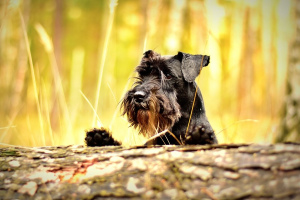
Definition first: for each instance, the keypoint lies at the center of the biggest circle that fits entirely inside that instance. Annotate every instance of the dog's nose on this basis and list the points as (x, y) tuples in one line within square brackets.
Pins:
[(139, 96)]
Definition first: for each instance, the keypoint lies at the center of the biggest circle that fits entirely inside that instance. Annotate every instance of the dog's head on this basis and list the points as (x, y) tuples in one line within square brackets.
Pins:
[(151, 105), (189, 65)]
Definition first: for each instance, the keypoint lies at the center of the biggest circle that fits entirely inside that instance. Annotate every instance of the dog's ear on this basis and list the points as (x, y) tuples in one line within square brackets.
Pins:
[(191, 65)]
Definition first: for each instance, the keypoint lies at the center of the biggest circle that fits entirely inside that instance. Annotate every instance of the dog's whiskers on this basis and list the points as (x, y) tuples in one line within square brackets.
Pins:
[(163, 133), (161, 136)]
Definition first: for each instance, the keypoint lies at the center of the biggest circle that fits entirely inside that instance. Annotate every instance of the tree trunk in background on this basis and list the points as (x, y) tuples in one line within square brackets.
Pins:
[(290, 123), (22, 67), (57, 44), (58, 31)]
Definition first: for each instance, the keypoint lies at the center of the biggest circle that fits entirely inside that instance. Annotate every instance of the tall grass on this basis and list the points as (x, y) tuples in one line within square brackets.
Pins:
[(103, 42), (112, 5), (37, 101)]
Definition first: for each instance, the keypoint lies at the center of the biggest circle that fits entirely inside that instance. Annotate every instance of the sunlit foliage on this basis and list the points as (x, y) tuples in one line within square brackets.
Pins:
[(61, 59)]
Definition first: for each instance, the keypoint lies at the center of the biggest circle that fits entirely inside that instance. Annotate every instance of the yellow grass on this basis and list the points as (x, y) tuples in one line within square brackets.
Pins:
[(33, 79), (48, 101), (112, 5)]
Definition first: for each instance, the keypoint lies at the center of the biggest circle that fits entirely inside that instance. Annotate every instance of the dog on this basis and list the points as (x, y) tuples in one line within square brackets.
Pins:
[(164, 99)]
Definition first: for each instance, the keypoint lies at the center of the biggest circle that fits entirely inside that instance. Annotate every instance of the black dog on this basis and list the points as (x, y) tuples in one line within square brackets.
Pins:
[(165, 97)]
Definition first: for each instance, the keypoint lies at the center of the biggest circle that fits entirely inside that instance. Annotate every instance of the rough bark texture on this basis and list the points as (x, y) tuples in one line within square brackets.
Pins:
[(290, 123), (163, 172)]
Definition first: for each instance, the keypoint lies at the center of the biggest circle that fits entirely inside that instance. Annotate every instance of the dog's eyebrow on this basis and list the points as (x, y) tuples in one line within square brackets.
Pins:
[(163, 67), (166, 70), (143, 69)]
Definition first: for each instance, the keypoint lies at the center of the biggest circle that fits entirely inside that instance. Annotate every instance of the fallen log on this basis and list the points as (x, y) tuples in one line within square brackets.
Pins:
[(237, 171)]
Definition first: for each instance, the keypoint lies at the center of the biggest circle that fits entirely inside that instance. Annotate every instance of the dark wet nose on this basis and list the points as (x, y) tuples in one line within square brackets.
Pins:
[(139, 96)]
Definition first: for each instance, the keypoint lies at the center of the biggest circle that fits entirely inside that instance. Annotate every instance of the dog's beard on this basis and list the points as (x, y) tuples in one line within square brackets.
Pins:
[(153, 116), (150, 121)]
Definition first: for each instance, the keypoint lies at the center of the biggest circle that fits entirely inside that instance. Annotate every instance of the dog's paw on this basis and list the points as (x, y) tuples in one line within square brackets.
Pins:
[(198, 135), (100, 137)]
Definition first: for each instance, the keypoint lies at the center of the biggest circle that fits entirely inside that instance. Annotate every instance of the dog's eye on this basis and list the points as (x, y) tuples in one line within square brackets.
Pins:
[(168, 76)]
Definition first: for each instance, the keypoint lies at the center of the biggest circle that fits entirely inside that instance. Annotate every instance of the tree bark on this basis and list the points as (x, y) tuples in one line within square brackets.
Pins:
[(290, 123), (161, 172)]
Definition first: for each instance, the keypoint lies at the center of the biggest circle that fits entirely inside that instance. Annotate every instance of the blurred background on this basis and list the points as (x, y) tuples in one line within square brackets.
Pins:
[(65, 64)]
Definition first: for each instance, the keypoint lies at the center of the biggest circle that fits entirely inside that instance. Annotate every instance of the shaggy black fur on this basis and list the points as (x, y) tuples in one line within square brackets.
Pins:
[(163, 97), (100, 137)]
